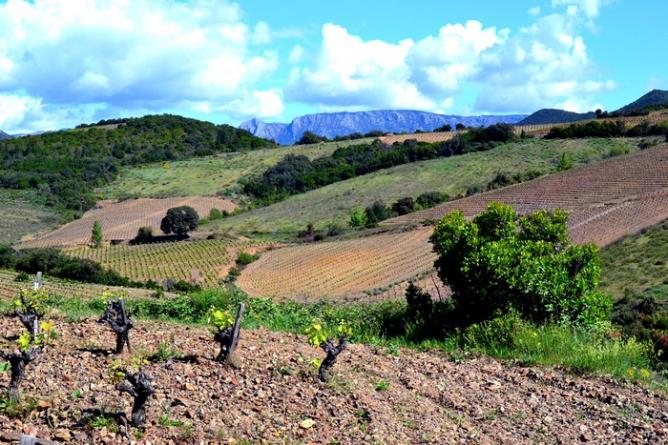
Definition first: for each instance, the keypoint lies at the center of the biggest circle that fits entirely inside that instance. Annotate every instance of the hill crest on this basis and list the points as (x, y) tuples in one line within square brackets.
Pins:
[(331, 125)]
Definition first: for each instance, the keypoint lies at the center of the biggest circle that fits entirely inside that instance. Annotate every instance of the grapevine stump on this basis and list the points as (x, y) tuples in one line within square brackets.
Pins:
[(18, 360), (228, 338), (332, 350), (119, 320), (140, 388)]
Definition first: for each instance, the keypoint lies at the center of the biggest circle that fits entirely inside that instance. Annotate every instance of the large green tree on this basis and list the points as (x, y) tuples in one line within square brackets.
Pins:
[(179, 220), (501, 260)]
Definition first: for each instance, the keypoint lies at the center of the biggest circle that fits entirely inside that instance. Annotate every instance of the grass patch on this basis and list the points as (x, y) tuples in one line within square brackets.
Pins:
[(636, 263)]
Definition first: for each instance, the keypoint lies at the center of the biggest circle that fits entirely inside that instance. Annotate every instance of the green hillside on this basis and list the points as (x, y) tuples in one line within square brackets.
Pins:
[(23, 215), (638, 263), (453, 176), (66, 165), (204, 176)]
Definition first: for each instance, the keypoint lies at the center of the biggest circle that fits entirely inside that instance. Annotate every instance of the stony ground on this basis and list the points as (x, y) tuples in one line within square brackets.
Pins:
[(378, 396)]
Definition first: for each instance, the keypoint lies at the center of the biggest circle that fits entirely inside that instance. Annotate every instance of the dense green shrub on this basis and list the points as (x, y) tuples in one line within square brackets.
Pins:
[(599, 129), (357, 218), (501, 261), (376, 213), (645, 318), (430, 199), (404, 206), (180, 220), (144, 236), (245, 258)]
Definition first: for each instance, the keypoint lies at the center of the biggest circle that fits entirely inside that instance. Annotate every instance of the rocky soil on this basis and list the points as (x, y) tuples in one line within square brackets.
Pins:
[(272, 396)]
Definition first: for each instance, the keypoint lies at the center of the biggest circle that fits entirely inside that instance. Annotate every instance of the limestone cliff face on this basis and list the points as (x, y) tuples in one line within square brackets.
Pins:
[(345, 123)]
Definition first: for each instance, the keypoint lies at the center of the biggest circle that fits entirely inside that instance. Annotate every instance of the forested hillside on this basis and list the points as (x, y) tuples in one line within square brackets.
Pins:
[(67, 165)]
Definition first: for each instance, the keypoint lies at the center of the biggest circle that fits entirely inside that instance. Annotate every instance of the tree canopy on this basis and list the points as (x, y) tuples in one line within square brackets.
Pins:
[(501, 260)]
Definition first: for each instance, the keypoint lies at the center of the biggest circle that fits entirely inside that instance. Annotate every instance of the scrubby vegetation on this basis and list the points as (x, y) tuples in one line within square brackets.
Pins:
[(68, 165), (297, 174), (606, 129)]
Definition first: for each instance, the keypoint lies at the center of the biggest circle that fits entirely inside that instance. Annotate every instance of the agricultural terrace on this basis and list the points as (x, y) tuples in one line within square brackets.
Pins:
[(538, 130), (204, 262), (122, 220), (607, 201), (452, 176), (207, 176), (351, 270), (10, 288)]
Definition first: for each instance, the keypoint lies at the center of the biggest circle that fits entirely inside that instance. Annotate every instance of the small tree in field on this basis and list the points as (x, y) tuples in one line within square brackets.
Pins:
[(318, 337), (119, 320), (179, 220), (96, 235), (28, 347), (502, 261)]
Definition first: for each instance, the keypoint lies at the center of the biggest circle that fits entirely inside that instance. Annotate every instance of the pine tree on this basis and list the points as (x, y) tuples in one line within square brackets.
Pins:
[(96, 237)]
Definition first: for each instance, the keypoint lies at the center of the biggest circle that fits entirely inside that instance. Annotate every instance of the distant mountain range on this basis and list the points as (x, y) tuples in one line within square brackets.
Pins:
[(331, 125), (553, 116), (655, 98), (4, 135)]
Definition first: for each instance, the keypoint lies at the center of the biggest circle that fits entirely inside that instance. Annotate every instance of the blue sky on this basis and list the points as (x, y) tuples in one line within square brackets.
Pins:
[(62, 63)]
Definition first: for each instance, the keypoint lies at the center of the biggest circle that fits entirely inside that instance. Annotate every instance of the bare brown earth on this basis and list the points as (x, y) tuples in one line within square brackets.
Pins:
[(429, 399), (606, 201), (121, 220)]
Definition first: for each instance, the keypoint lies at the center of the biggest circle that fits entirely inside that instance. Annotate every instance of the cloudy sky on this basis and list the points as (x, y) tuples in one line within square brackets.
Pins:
[(67, 62)]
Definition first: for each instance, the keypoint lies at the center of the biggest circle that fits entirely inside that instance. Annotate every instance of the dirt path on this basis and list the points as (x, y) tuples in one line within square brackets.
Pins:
[(407, 397)]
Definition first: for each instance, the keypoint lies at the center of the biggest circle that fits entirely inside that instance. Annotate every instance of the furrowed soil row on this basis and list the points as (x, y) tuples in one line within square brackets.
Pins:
[(122, 220)]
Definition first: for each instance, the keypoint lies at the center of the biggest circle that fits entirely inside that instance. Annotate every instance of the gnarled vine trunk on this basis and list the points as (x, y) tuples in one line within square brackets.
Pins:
[(228, 338), (18, 360), (119, 320), (333, 352), (140, 388)]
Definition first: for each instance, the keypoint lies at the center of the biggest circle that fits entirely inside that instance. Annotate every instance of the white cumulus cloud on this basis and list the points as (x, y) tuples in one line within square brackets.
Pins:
[(139, 54)]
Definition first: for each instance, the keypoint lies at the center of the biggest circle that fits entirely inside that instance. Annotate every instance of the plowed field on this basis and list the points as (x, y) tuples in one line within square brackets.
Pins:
[(606, 201), (121, 220)]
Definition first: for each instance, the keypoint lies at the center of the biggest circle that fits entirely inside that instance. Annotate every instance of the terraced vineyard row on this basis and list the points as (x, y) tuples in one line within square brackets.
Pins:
[(9, 288), (353, 269), (205, 261), (606, 201), (120, 221)]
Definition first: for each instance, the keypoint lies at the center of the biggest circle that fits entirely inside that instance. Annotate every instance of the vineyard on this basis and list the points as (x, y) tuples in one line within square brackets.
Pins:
[(10, 288), (204, 262), (121, 220), (606, 201), (354, 269)]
